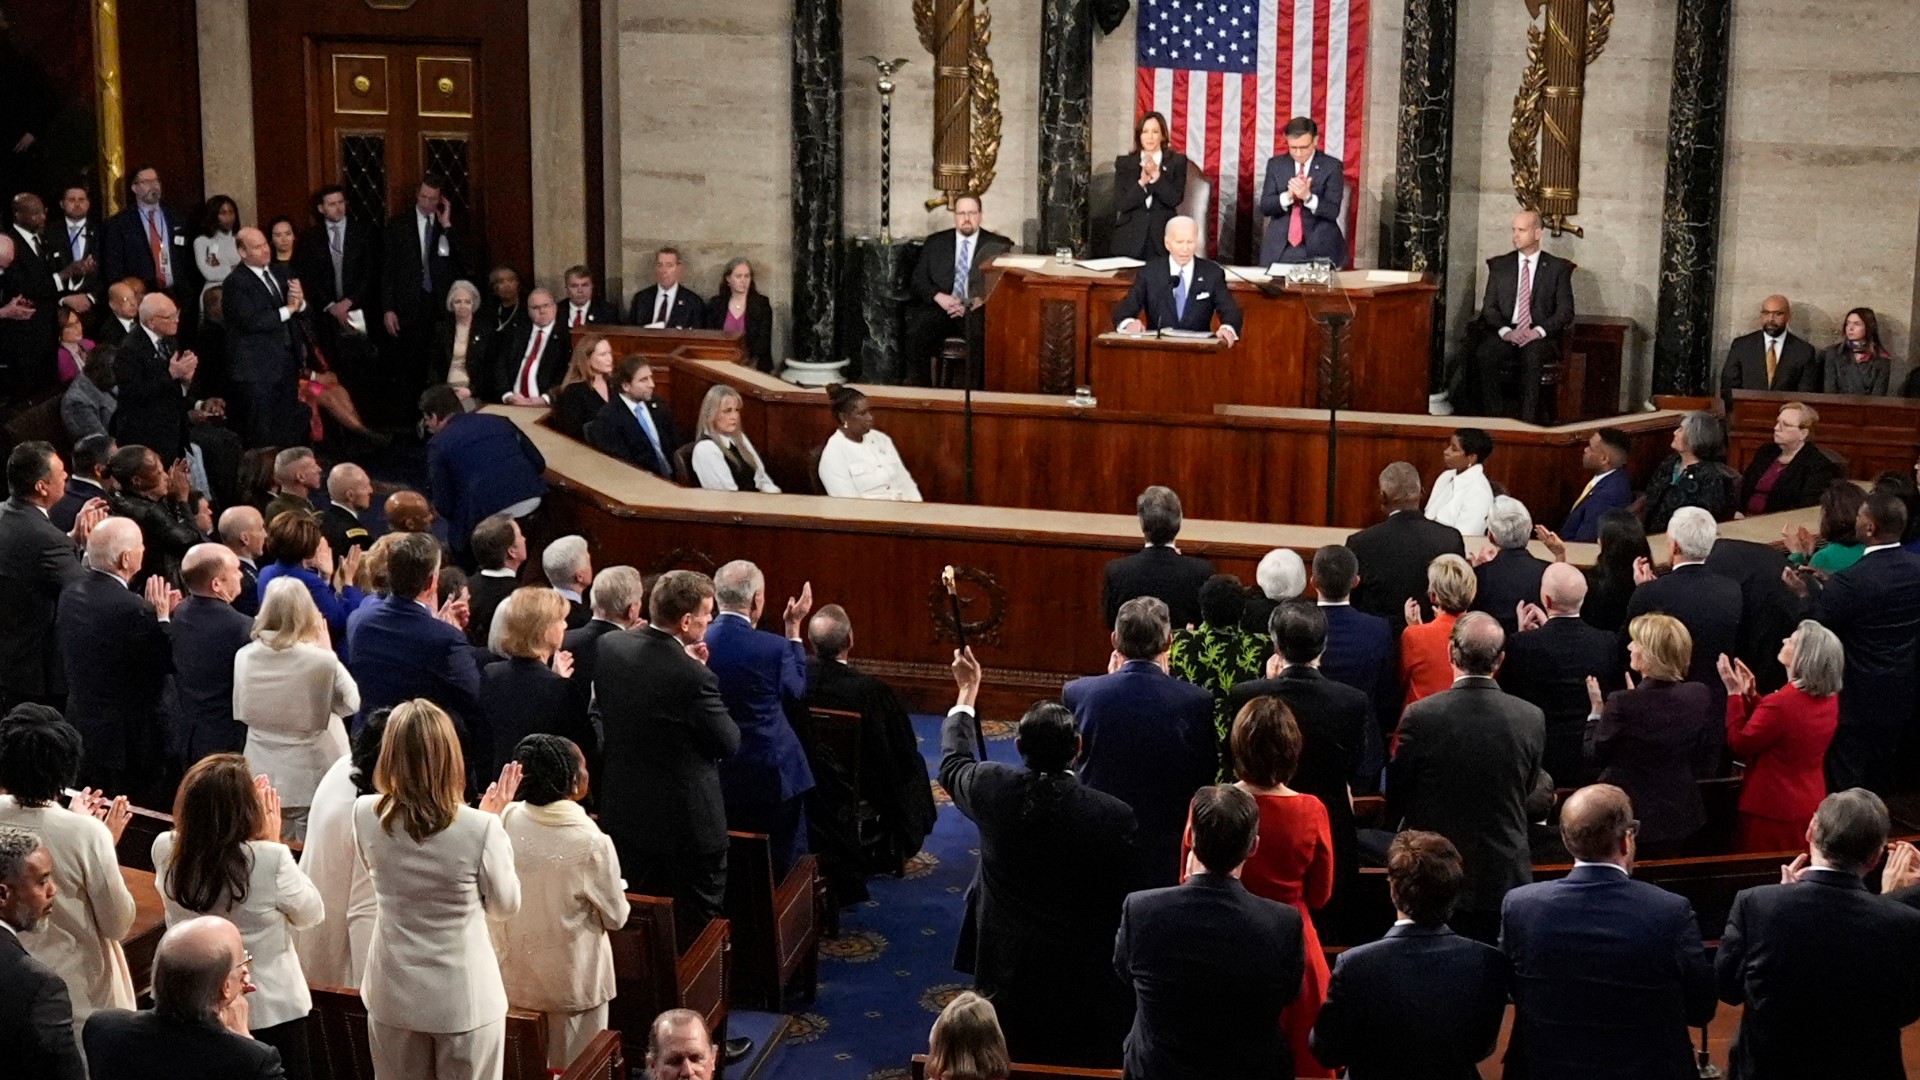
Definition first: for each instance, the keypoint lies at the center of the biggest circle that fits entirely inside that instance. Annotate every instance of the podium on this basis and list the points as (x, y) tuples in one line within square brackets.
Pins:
[(1143, 373)]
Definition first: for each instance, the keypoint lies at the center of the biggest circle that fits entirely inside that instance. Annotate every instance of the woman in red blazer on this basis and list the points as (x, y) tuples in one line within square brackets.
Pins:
[(1783, 738)]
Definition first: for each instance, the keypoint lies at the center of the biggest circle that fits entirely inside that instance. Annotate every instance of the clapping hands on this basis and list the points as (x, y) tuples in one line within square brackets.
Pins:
[(501, 791), (114, 813)]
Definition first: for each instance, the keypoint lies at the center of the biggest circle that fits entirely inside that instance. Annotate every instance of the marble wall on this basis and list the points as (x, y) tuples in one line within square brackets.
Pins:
[(226, 104)]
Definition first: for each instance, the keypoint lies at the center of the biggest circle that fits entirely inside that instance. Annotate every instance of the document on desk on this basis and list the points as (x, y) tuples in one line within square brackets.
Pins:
[(1021, 262), (1187, 335), (1118, 262)]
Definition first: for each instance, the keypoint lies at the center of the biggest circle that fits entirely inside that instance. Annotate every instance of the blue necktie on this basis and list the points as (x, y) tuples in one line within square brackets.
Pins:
[(963, 267), (1180, 297), (653, 436)]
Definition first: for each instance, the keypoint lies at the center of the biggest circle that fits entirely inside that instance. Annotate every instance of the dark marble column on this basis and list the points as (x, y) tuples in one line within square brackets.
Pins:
[(873, 294), (1690, 224), (1066, 133), (817, 197), (1423, 160)]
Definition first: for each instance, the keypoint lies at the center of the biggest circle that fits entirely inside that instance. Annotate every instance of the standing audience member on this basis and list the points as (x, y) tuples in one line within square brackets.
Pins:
[(1708, 604), (224, 857), (153, 382), (723, 458), (1158, 570), (297, 550), (244, 531), (1857, 363), (619, 603), (1655, 739), (335, 258), (1462, 495), (349, 494), (296, 476), (261, 302), (157, 500), (1790, 472), (422, 255), (1610, 580), (1281, 576), (500, 550), (477, 465), (207, 634), (1605, 456), (1838, 548), (36, 1013), (1360, 653), (333, 951), (1548, 664), (200, 1021), (568, 567), (215, 254), (104, 626), (532, 691), (1695, 474), (1218, 655), (1783, 737), (636, 426), (859, 461), (90, 479), (1425, 643), (1511, 577), (741, 308), (401, 649), (291, 691), (1394, 554)]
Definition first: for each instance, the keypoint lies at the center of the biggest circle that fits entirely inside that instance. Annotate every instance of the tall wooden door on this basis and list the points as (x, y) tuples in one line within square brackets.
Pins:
[(383, 114)]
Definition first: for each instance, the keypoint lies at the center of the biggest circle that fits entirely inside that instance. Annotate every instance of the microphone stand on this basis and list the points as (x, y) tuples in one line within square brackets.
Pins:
[(1332, 323)]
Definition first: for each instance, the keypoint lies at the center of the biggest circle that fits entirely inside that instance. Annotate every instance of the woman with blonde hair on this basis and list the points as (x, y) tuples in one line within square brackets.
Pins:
[(436, 1008), (966, 1043), (723, 456), (292, 691), (1783, 737), (1654, 740), (531, 691), (1426, 667), (586, 388)]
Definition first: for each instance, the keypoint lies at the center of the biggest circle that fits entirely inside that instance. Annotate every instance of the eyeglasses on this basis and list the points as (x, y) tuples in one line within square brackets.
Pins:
[(245, 966), (1633, 828)]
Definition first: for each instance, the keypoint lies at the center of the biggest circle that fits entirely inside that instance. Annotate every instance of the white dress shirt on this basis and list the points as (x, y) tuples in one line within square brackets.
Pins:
[(292, 700), (868, 469), (1462, 499), (1305, 172), (554, 955), (92, 910), (265, 274), (333, 951), (662, 305), (710, 466), (279, 900)]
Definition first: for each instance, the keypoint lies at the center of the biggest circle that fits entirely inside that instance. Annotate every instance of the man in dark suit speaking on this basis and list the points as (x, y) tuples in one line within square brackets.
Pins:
[(1181, 292), (1301, 199), (1529, 304), (950, 284), (1772, 357)]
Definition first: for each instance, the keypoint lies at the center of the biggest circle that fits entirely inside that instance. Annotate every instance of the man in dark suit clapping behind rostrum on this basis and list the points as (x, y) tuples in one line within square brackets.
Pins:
[(1180, 292)]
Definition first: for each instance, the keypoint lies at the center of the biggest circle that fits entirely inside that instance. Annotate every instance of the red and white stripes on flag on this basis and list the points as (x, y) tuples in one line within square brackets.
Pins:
[(1229, 74)]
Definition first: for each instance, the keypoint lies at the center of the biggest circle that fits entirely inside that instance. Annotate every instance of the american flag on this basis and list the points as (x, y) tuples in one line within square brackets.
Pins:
[(1229, 74)]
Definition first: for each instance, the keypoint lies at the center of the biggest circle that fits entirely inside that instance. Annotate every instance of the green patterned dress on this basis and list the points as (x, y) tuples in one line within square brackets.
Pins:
[(1218, 659)]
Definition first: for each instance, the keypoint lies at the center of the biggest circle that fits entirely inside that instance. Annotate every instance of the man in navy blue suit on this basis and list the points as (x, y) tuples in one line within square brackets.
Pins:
[(761, 676), (260, 302), (1148, 737), (207, 634), (635, 425), (477, 465), (1511, 576), (1608, 972), (405, 647), (1611, 488), (1180, 292), (1301, 199), (1361, 652), (131, 238)]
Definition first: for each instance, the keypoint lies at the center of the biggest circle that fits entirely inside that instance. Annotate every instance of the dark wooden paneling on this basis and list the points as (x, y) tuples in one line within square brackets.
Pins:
[(1875, 434), (160, 99)]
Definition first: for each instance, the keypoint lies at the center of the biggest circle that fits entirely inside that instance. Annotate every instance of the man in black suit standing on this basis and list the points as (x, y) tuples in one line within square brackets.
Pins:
[(336, 261), (243, 531), (634, 425), (1045, 900), (37, 562), (1394, 554), (1361, 652), (499, 550), (199, 1023), (1180, 293), (950, 284), (1529, 305), (667, 729), (1828, 973), (89, 480), (207, 633), (1159, 570), (1708, 605), (531, 360), (1608, 972), (147, 242), (1421, 1003), (666, 304), (1468, 768), (262, 362), (117, 323), (349, 494), (1301, 198), (27, 345), (36, 1013), (619, 603), (422, 255), (1771, 358), (76, 251), (153, 379), (1549, 662), (1211, 964), (582, 308), (1768, 612), (1511, 575)]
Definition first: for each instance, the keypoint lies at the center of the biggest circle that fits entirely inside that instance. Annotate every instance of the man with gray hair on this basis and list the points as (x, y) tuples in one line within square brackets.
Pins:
[(1508, 574), (1549, 661), (349, 494), (1707, 604), (1394, 554), (619, 603), (760, 676), (36, 1012), (1828, 973), (1148, 737), (117, 655), (153, 379), (569, 569), (1180, 292), (296, 476), (198, 1025), (1160, 570), (1467, 766)]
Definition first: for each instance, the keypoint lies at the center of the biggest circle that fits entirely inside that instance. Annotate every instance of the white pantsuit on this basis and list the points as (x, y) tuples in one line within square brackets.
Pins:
[(92, 911), (334, 950), (292, 700), (279, 900)]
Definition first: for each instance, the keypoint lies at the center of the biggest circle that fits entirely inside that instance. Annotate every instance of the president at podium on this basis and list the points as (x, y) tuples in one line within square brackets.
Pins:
[(1180, 292)]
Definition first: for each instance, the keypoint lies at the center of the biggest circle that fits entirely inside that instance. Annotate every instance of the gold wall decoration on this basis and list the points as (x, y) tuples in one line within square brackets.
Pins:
[(966, 95), (1545, 137), (106, 59)]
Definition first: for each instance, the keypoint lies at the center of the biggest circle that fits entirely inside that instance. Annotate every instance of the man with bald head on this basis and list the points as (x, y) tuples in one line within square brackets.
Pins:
[(123, 314), (408, 511), (26, 345), (1549, 662), (153, 378), (207, 633), (1529, 306), (1772, 357), (351, 493), (243, 529), (114, 644), (198, 1025), (260, 302), (1608, 972), (1179, 292)]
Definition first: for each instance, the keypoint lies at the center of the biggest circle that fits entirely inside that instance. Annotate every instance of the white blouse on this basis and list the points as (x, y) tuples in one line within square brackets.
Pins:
[(206, 249), (554, 955), (92, 911), (1462, 500), (868, 469), (334, 950), (292, 700), (710, 466), (279, 900)]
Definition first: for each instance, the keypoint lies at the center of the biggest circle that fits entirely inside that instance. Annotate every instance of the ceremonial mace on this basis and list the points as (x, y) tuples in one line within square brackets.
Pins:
[(885, 86), (960, 634)]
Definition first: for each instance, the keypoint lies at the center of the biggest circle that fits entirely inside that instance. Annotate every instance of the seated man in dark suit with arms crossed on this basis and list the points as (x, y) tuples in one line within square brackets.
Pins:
[(1529, 305), (951, 302), (1180, 293), (1159, 571)]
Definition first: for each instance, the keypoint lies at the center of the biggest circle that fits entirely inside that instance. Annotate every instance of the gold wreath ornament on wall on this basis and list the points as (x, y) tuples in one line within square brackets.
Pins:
[(1545, 137)]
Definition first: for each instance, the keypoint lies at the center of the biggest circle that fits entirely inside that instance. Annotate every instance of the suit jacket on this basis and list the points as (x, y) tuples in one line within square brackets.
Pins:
[(104, 627), (893, 774), (1768, 612), (1874, 607), (1549, 667), (153, 405), (933, 274), (583, 643), (521, 697), (479, 465), (36, 1016), (667, 729), (1783, 738), (111, 332), (1158, 571), (481, 339), (30, 342), (1468, 768), (1211, 966), (207, 634), (1828, 974), (125, 251), (599, 313), (65, 254), (1797, 367), (1207, 295), (259, 342), (398, 651), (79, 492), (615, 431), (248, 602), (359, 267), (1608, 975), (1421, 1003), (1139, 230), (1709, 606), (1800, 484), (124, 1045), (1393, 559), (1509, 577), (1552, 306), (1653, 742), (1614, 491), (1362, 653), (1323, 238), (688, 311), (404, 281), (492, 382), (485, 593), (758, 333), (760, 675), (1147, 740)]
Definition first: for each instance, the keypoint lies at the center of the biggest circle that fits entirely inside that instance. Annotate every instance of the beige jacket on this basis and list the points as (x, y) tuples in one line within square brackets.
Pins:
[(554, 955), (91, 914)]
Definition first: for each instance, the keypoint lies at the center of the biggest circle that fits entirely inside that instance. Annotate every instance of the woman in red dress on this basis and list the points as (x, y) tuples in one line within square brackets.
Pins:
[(1783, 738), (1425, 667), (1292, 863)]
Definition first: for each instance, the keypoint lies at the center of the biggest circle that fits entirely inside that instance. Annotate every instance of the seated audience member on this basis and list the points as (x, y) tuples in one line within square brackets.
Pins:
[(292, 692), (1823, 968), (619, 603), (200, 1023), (88, 403), (1838, 547), (665, 304), (91, 479), (500, 550), (741, 308), (1281, 576), (463, 343), (244, 532), (477, 465), (1159, 570), (555, 958), (1708, 604), (586, 388), (71, 351), (296, 549), (1217, 654), (36, 1014), (1212, 966), (1521, 325), (1695, 474), (949, 285), (1422, 1003), (408, 511), (1512, 576), (1394, 554), (568, 567), (636, 426), (1770, 358), (1783, 738), (761, 676), (859, 462), (1857, 363), (1611, 579), (102, 625), (1361, 653), (283, 239), (1656, 738), (1148, 185), (1468, 767), (581, 308), (505, 313), (1548, 664), (1790, 472), (531, 692), (1462, 495), (723, 458), (1425, 645), (530, 360), (1147, 738), (207, 634), (1608, 972), (333, 952), (1055, 864), (1605, 456), (966, 1042), (92, 908), (401, 650), (296, 476), (1180, 291), (679, 1047), (155, 499), (224, 857), (349, 495)]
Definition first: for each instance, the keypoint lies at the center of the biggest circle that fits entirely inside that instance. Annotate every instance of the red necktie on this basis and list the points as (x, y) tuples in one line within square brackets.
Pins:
[(579, 319), (532, 363), (1297, 224), (1524, 318), (159, 250)]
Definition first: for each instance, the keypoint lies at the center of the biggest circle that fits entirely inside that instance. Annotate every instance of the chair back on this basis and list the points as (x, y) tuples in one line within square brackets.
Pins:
[(683, 465)]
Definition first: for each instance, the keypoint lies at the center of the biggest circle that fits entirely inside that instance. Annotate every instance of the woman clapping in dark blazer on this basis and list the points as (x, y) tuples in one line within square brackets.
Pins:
[(1655, 740), (741, 307), (1148, 186)]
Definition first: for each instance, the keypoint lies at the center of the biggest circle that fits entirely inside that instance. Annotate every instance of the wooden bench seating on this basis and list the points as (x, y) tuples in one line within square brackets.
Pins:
[(651, 976), (338, 1047), (604, 1059), (776, 925), (149, 923), (1031, 1072)]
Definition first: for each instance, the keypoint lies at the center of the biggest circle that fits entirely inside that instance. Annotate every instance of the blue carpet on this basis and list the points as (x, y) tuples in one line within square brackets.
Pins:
[(890, 973)]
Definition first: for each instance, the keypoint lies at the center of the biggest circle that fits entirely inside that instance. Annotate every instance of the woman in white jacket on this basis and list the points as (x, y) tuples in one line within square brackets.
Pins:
[(291, 690), (859, 462), (334, 950), (1462, 495)]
